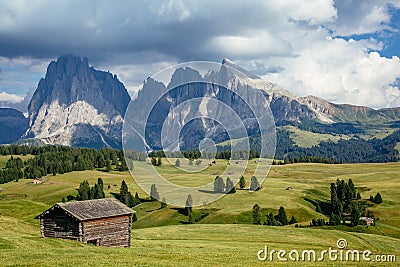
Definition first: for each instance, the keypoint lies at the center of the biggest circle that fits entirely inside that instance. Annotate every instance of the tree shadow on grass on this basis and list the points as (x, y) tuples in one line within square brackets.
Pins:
[(211, 192), (324, 205), (180, 210)]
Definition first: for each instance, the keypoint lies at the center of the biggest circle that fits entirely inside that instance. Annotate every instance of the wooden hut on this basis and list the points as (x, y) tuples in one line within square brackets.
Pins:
[(103, 222), (367, 221)]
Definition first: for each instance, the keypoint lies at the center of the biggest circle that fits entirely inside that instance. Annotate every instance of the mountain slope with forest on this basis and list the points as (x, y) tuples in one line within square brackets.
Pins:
[(77, 105)]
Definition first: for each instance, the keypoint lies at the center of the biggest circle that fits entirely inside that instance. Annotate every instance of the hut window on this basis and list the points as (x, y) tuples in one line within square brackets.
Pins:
[(62, 225)]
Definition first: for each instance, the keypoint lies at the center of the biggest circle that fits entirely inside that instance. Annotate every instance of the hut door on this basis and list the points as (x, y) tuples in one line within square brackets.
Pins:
[(95, 242)]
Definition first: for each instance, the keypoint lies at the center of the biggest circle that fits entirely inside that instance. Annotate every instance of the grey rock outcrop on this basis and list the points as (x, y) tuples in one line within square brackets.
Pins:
[(77, 105)]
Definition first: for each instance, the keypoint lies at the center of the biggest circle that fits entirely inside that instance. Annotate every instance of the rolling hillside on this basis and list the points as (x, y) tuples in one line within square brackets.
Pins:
[(215, 239)]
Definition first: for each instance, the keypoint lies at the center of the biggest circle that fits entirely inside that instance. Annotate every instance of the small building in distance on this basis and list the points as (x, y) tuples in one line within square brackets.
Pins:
[(367, 220), (102, 222), (37, 181)]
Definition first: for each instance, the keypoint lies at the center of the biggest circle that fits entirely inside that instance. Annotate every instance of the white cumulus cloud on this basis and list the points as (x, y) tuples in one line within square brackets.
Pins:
[(341, 71), (10, 98), (331, 49)]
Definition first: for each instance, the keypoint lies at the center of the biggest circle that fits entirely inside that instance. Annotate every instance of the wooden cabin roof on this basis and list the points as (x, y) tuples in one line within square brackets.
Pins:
[(92, 209)]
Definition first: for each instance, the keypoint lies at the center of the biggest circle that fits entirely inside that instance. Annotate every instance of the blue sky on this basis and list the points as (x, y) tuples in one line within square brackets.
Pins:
[(343, 51), (392, 38)]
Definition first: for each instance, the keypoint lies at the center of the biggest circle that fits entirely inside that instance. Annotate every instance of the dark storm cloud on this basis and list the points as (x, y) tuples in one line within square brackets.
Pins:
[(362, 17), (103, 30), (283, 40)]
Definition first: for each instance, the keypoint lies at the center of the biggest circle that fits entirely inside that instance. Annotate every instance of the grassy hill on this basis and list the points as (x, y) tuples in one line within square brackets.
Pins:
[(222, 233), (308, 139), (194, 245)]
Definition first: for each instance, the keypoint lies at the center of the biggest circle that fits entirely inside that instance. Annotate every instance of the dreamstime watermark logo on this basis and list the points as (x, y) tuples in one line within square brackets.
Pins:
[(332, 254), (197, 106)]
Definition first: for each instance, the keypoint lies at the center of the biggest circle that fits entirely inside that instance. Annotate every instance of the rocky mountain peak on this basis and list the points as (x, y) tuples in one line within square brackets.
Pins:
[(66, 66), (184, 75), (230, 63), (227, 61), (69, 79), (74, 96), (77, 105)]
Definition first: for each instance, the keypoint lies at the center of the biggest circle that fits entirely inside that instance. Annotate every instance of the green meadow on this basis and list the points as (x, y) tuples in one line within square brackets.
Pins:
[(222, 233)]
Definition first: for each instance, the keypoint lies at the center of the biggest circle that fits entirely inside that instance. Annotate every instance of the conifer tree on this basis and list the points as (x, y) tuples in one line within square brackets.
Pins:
[(177, 163), (101, 187), (352, 189), (230, 187), (334, 219), (219, 185), (354, 214), (137, 198), (256, 214), (242, 182), (97, 192), (108, 165), (134, 217), (270, 219), (378, 198), (154, 193), (292, 220), (254, 184), (131, 200), (123, 193), (281, 217), (83, 191), (188, 205)]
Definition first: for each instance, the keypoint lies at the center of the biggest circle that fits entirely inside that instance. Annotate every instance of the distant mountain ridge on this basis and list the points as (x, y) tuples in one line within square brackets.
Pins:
[(323, 110), (77, 105), (12, 124), (287, 108), (349, 113)]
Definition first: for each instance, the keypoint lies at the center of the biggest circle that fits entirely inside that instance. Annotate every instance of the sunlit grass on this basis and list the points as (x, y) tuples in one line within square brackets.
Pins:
[(161, 239)]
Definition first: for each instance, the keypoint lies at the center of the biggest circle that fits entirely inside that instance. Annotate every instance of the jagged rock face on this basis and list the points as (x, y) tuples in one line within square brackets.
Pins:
[(77, 105), (220, 85), (328, 112), (286, 109), (12, 124), (285, 106)]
